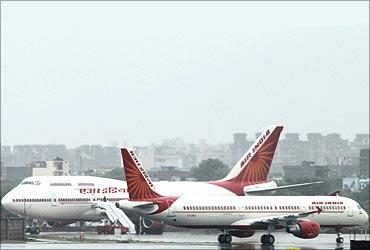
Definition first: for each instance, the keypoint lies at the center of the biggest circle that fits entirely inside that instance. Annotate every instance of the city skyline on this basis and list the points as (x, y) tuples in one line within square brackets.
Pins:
[(140, 73), (249, 137)]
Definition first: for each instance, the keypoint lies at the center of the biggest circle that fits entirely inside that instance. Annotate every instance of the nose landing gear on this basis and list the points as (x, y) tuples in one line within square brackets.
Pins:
[(267, 239), (339, 238), (224, 238)]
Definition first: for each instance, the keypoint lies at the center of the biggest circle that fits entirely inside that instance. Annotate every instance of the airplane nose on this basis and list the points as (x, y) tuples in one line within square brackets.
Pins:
[(366, 216), (6, 201)]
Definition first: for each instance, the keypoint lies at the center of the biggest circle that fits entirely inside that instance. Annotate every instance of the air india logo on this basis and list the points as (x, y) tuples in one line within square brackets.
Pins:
[(141, 169), (255, 148), (138, 181)]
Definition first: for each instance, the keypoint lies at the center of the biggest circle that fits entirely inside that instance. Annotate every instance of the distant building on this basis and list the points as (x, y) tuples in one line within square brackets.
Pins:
[(16, 173), (307, 169), (146, 156), (27, 153), (355, 184), (56, 167), (168, 173), (2, 171), (239, 147), (289, 151), (344, 170), (364, 162)]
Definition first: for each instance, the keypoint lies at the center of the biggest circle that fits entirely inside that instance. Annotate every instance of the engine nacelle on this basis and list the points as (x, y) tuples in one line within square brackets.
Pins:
[(146, 223), (241, 233), (305, 229)]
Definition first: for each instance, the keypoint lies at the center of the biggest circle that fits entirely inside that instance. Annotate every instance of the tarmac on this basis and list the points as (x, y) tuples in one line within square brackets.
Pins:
[(175, 240)]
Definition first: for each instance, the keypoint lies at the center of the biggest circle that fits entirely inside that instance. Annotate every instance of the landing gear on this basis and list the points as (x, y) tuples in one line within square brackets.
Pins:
[(224, 238), (339, 238), (267, 239), (33, 229)]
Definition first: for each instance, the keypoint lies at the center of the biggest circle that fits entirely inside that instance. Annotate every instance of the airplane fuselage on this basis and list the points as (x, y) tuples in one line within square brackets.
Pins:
[(72, 197), (237, 212)]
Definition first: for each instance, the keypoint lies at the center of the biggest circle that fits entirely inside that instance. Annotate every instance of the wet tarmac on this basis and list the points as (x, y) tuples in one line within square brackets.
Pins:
[(178, 240)]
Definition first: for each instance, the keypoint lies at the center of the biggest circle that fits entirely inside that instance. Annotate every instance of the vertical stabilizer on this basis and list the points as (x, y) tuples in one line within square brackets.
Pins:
[(139, 184), (255, 164)]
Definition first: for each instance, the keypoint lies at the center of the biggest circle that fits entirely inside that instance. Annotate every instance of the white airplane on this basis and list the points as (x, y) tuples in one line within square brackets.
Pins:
[(77, 198), (239, 216)]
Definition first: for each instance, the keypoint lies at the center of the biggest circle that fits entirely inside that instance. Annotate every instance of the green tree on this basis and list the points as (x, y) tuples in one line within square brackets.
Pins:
[(115, 173), (211, 169)]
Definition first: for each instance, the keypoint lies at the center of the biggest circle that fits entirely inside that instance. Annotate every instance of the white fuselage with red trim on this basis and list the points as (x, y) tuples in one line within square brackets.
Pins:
[(71, 197), (237, 212)]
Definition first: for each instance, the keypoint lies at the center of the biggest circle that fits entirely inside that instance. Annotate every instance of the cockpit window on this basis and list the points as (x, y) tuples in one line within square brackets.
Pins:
[(28, 182), (358, 206)]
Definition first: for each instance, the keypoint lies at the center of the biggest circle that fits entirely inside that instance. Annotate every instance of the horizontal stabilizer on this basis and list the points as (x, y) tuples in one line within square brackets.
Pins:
[(270, 189), (144, 207)]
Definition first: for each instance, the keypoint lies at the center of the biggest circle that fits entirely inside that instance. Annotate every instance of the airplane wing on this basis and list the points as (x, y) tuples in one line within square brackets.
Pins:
[(261, 190), (275, 219)]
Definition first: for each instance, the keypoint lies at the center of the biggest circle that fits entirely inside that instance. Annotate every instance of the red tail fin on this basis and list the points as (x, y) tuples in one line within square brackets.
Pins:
[(139, 185), (255, 164)]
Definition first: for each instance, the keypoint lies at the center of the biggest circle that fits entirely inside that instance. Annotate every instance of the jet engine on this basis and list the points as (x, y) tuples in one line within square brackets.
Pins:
[(305, 229), (241, 233), (147, 226), (146, 223)]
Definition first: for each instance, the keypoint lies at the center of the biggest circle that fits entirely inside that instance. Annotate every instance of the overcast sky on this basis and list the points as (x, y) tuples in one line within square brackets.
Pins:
[(136, 73)]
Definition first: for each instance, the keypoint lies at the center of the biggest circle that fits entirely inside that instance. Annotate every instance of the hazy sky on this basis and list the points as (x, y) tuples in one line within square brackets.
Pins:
[(97, 73)]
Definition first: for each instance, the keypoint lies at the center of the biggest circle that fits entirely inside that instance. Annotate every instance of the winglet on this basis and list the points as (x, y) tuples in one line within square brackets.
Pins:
[(139, 185)]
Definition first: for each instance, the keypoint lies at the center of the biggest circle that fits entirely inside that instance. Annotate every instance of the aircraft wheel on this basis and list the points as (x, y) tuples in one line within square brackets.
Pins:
[(270, 239), (221, 238), (267, 239), (340, 240), (228, 238), (264, 239)]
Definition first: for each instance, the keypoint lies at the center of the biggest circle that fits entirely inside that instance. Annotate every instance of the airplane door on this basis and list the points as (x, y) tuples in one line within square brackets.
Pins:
[(53, 200), (171, 209)]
